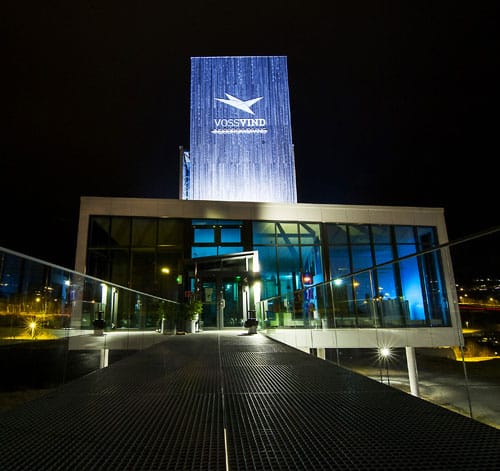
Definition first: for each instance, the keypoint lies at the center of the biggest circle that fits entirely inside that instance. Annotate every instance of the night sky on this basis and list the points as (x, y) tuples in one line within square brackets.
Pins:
[(393, 103)]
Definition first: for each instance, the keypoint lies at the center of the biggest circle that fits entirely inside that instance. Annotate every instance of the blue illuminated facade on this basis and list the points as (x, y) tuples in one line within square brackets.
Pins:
[(240, 139), (357, 275)]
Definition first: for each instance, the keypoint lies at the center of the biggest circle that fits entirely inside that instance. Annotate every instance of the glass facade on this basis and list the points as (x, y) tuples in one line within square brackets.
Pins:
[(359, 275), (287, 253), (146, 253), (387, 284), (215, 237)]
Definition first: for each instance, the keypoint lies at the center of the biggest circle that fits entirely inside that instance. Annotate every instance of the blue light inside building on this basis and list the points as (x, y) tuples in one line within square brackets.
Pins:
[(240, 139)]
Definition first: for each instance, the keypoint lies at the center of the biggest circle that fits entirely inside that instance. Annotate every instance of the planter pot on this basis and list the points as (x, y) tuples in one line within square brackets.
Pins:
[(251, 324), (191, 326), (194, 324), (163, 326)]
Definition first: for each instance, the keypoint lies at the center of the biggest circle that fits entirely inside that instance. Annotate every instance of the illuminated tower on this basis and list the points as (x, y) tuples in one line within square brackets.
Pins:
[(240, 138)]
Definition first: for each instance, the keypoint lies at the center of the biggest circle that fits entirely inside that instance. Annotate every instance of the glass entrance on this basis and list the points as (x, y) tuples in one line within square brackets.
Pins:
[(208, 295), (223, 283), (231, 309), (222, 303)]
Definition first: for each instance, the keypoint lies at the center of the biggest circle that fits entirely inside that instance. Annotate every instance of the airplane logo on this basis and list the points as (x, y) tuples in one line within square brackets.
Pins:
[(240, 104)]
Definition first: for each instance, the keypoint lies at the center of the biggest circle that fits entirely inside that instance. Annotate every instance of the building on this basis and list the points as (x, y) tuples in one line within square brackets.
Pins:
[(316, 276), (240, 136)]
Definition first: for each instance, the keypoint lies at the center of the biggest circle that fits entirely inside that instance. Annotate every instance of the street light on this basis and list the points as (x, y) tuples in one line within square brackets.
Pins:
[(385, 354)]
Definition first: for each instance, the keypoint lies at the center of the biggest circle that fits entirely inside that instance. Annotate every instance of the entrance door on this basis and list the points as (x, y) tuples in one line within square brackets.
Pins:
[(232, 307), (223, 284), (222, 303), (209, 316)]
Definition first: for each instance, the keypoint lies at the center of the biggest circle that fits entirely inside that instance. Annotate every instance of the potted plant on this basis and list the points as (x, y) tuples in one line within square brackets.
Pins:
[(99, 324), (192, 310)]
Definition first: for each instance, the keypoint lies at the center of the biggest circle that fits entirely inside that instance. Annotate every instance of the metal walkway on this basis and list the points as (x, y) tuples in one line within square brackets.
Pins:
[(226, 401)]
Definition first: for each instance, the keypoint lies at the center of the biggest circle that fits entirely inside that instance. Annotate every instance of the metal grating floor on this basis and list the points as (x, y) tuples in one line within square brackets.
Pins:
[(226, 401)]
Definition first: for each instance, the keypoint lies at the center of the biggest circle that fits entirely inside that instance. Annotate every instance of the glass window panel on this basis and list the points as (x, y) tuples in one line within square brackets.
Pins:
[(205, 235), (98, 263), (426, 237), (392, 312), (435, 288), (267, 259), (11, 274), (404, 234), (268, 271), (142, 270), (167, 269), (312, 263), (386, 288), (230, 235), (309, 234), (363, 295), (168, 260), (99, 231), (337, 233), (144, 232), (404, 250), (120, 231), (223, 250), (289, 260), (412, 290), (170, 232), (286, 286), (269, 285), (264, 233), (342, 302), (340, 264), (363, 289), (381, 234), (361, 257), (120, 262), (287, 233), (387, 303), (359, 234), (197, 252), (383, 253)]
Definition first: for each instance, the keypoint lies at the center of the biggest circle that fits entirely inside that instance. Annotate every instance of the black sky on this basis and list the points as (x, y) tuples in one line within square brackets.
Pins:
[(393, 103)]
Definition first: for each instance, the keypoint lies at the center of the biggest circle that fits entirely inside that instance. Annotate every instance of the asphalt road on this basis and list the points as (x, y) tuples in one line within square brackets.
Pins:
[(473, 392)]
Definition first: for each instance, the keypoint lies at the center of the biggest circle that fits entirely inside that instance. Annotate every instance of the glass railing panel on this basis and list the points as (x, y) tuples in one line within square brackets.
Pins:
[(57, 325), (463, 376)]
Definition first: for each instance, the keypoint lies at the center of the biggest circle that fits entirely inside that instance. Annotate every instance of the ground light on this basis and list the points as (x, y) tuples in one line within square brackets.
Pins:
[(384, 355), (31, 329)]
